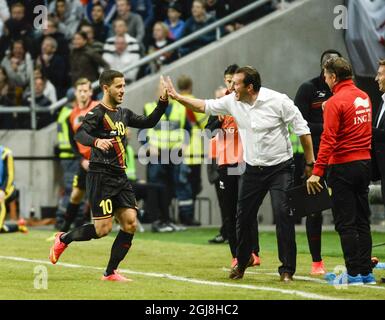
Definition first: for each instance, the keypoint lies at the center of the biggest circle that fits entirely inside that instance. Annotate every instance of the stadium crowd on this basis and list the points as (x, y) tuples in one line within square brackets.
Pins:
[(83, 37)]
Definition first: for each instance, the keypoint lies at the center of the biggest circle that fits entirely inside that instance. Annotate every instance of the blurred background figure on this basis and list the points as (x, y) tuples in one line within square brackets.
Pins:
[(7, 191)]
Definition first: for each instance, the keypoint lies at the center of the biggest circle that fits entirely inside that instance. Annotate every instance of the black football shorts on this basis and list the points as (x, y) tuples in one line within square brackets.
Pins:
[(107, 192), (79, 180)]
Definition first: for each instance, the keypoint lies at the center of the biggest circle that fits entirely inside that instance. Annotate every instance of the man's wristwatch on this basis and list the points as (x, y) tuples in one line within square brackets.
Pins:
[(311, 164)]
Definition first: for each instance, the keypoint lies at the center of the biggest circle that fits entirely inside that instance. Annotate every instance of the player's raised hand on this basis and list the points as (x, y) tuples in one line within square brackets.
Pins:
[(163, 88), (104, 144), (170, 88)]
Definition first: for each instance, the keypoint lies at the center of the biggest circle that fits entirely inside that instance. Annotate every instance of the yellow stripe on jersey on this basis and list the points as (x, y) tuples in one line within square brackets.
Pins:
[(118, 139)]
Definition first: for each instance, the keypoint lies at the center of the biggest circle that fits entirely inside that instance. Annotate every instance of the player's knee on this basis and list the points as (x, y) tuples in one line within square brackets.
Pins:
[(103, 230), (130, 226)]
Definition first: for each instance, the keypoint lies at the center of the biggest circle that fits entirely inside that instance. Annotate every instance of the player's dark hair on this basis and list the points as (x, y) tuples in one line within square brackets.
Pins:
[(329, 52), (340, 67), (381, 62), (251, 77), (231, 69), (108, 76)]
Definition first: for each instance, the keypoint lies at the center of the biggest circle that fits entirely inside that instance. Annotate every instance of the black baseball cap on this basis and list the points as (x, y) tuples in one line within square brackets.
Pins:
[(176, 6)]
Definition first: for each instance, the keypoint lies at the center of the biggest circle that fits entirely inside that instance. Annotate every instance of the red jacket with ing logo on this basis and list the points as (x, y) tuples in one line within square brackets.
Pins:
[(347, 125)]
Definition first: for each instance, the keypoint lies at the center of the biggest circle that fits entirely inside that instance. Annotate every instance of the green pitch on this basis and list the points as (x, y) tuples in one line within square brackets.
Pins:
[(168, 266)]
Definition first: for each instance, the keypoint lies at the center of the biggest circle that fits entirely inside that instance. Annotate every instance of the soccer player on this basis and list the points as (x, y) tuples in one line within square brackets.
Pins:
[(83, 104), (7, 191), (108, 189)]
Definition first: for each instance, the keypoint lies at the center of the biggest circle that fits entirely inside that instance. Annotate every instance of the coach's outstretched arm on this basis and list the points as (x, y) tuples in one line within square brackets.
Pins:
[(197, 105)]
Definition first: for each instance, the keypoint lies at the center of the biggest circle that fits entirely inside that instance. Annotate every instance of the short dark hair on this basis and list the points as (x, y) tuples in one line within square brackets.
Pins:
[(340, 67), (252, 76), (329, 52), (381, 62), (108, 76), (231, 69), (82, 34)]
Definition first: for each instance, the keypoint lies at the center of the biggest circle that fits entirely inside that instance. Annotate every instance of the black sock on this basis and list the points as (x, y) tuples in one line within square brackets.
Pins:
[(313, 232), (119, 250), (69, 216), (83, 233)]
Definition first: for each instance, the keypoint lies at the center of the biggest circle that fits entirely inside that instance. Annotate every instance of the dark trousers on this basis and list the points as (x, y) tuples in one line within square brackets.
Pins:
[(155, 198), (313, 221), (195, 179), (223, 231), (350, 187), (228, 195), (255, 183)]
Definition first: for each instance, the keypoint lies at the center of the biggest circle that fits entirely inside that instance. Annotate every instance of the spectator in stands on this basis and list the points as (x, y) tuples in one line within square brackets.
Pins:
[(120, 58), (43, 118), (251, 16), (68, 16), (52, 31), (84, 62), (15, 64), (49, 88), (95, 45), (101, 29), (161, 8), (9, 96), (135, 26), (198, 20), (29, 6), (120, 29), (173, 21), (4, 14), (160, 40), (53, 66), (7, 93), (16, 27), (40, 99), (145, 9), (109, 9), (217, 9)]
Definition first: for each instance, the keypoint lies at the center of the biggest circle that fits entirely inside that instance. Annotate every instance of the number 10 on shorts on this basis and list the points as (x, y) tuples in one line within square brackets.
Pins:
[(106, 206)]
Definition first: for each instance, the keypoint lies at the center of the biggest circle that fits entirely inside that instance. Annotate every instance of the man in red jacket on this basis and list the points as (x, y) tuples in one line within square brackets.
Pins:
[(345, 149)]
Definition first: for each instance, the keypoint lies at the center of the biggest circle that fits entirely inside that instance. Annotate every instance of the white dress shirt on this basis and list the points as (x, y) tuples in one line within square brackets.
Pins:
[(263, 126), (381, 111)]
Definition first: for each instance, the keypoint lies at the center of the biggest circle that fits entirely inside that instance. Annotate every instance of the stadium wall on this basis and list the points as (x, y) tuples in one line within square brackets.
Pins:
[(284, 46)]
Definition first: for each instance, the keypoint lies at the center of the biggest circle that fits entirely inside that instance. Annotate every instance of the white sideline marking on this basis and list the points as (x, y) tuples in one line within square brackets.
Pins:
[(184, 279), (305, 278)]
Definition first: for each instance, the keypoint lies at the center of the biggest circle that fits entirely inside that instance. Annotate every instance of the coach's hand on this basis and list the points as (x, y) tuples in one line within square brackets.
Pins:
[(2, 195), (313, 185), (104, 144)]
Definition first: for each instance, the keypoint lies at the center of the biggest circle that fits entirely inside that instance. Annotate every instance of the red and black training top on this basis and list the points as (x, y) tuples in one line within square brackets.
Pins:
[(105, 123)]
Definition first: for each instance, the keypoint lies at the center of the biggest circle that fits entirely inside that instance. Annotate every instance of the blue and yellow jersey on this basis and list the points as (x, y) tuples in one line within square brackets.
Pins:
[(6, 171)]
